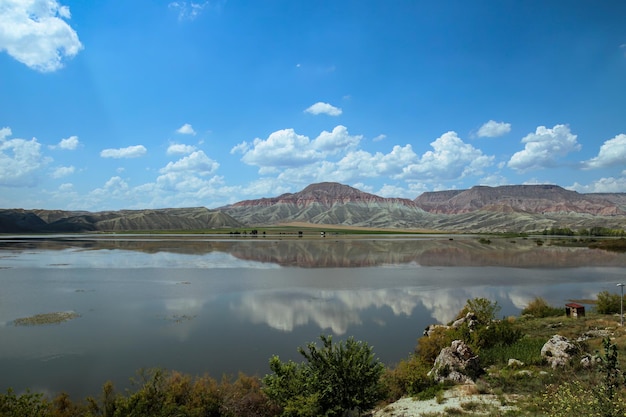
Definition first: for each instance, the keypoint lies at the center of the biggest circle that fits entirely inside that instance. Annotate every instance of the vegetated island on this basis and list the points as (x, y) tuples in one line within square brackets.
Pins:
[(549, 361)]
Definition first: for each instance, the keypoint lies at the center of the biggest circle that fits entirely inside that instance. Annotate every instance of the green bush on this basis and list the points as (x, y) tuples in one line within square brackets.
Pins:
[(335, 379), (608, 303), (540, 308), (409, 377), (484, 309)]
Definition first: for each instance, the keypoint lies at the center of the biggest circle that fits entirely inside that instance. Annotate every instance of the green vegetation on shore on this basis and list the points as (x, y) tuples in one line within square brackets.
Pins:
[(338, 378)]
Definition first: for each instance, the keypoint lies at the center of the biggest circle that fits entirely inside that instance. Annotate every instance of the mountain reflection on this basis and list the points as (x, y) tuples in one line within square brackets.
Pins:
[(342, 252)]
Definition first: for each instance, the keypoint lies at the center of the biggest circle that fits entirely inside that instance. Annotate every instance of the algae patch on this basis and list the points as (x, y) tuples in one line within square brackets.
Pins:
[(47, 318)]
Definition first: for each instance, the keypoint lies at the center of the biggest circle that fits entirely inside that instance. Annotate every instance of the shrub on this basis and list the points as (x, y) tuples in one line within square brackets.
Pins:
[(409, 377), (27, 404), (428, 347), (484, 309), (540, 308), (335, 379), (608, 303)]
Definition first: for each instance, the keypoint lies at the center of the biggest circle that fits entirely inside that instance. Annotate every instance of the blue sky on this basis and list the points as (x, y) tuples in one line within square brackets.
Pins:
[(144, 104)]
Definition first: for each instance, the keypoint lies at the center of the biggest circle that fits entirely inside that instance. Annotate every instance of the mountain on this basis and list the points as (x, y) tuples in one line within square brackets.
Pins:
[(538, 199), (481, 209), (522, 208), (197, 218), (332, 204)]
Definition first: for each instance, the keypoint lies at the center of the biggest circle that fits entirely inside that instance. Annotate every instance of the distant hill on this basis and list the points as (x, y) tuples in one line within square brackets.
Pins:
[(331, 203), (511, 208), (480, 209), (198, 218)]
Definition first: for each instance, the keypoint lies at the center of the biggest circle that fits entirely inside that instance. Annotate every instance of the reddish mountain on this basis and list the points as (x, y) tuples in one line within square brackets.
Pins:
[(537, 199)]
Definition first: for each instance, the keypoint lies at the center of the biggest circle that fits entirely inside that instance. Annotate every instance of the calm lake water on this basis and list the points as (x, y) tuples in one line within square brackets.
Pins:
[(208, 304)]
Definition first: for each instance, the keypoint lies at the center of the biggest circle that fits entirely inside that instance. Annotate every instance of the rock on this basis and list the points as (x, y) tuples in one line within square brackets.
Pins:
[(471, 320), (589, 361), (431, 328), (524, 373), (456, 363), (558, 351), (514, 363)]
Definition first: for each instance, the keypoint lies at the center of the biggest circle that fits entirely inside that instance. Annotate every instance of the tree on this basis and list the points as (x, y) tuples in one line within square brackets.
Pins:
[(334, 380)]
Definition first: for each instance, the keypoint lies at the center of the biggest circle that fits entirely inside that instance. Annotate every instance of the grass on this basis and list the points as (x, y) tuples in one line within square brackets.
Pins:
[(46, 318)]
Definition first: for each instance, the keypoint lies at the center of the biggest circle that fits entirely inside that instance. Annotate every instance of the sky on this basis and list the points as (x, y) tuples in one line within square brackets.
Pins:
[(118, 104)]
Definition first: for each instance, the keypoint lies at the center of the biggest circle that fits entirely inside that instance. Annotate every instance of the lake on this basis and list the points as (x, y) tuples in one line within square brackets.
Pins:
[(218, 305)]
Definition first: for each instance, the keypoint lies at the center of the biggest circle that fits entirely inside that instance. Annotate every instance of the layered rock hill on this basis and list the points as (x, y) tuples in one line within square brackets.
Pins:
[(515, 208), (519, 208), (198, 218), (537, 199), (333, 204)]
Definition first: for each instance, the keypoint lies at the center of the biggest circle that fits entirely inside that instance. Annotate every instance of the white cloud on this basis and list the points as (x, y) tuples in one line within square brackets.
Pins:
[(542, 148), (188, 10), (128, 152), (61, 172), (20, 160), (337, 140), (493, 129), (68, 144), (283, 148), (197, 163), (5, 132), (179, 148), (186, 129), (603, 185), (379, 138), (324, 108), (612, 152), (35, 33), (451, 159)]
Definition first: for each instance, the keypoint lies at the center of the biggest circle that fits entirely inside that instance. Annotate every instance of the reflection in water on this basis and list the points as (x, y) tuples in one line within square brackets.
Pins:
[(199, 304), (320, 252)]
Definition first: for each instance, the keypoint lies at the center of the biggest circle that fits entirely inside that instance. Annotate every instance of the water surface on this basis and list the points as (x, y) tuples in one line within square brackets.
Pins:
[(206, 304)]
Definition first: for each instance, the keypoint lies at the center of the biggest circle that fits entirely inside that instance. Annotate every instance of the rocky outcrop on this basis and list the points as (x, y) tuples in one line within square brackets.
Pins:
[(558, 351), (457, 364)]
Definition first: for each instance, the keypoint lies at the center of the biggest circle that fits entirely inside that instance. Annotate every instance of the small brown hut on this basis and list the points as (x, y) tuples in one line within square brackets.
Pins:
[(574, 310)]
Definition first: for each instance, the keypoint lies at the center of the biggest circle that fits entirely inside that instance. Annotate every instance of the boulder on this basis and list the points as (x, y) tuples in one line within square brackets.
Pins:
[(514, 363), (471, 320), (558, 350), (456, 363)]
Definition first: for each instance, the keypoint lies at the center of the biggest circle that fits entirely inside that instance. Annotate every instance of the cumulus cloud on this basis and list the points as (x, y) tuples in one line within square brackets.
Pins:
[(451, 158), (603, 185), (493, 129), (128, 152), (61, 172), (324, 108), (543, 147), (186, 129), (20, 160), (283, 148), (35, 33), (612, 152), (379, 138), (337, 140), (197, 162), (179, 148), (68, 144)]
